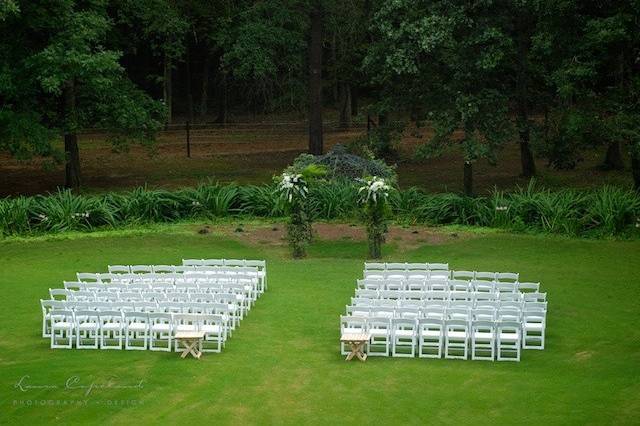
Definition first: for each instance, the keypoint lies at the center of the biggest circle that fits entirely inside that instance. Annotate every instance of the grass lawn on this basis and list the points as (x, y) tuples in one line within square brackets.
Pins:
[(283, 364)]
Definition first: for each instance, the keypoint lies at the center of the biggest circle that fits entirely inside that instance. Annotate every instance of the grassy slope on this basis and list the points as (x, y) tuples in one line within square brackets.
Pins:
[(283, 364)]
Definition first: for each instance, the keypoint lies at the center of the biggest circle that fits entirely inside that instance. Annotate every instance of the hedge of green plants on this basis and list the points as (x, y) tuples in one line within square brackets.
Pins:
[(608, 211)]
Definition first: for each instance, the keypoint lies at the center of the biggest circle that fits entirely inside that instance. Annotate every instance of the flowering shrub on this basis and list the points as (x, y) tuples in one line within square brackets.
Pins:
[(293, 189), (374, 189), (292, 186), (374, 197)]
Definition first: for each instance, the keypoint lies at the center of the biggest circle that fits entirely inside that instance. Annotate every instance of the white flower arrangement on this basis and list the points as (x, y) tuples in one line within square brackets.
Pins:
[(374, 189), (85, 215), (293, 185)]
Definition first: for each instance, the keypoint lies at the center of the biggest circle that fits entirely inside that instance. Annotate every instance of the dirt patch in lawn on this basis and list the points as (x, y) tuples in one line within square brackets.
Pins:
[(275, 234)]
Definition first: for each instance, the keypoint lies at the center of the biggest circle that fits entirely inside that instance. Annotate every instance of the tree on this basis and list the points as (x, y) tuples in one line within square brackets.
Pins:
[(315, 79), (347, 33), (592, 49), (264, 55), (164, 27), (62, 79), (443, 60)]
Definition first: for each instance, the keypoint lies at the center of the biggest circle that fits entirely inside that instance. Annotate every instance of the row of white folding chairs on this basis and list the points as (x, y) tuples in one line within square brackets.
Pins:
[(225, 262), (252, 278), (132, 330), (447, 295), (230, 311), (248, 291), (452, 310), (413, 303), (443, 285), (223, 305), (107, 277), (455, 275), (405, 266), (126, 270), (403, 275), (250, 287), (435, 338), (151, 296), (188, 264), (532, 317)]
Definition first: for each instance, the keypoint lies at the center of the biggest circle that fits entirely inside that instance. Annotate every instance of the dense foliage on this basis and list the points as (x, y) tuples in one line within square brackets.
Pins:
[(555, 77), (340, 164), (608, 211)]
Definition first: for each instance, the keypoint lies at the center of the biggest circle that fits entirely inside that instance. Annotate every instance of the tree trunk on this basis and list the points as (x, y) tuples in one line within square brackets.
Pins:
[(635, 169), (336, 86), (468, 179), (315, 81), (526, 156), (222, 101), (613, 159), (354, 101), (345, 106), (72, 154), (204, 92), (522, 94), (188, 86), (167, 89), (375, 246)]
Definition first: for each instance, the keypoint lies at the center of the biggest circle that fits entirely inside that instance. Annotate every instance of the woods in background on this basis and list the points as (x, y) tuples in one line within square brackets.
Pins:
[(555, 77)]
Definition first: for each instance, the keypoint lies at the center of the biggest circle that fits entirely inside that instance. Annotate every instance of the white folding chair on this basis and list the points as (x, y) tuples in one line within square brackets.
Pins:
[(395, 266), (506, 287), (380, 336), (438, 266), (118, 269), (185, 322), (528, 287), (214, 333), (160, 331), (483, 342), (62, 328), (111, 329), (463, 275), (60, 294), (136, 330), (439, 274), (404, 335), (533, 328), (47, 306), (351, 325), (87, 277), (358, 311), (508, 341), (485, 276), (507, 277), (434, 310), (483, 286), (456, 339), (374, 266), (87, 325), (430, 337)]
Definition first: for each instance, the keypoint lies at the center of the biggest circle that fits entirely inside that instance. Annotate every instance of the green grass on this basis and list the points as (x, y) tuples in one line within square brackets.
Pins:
[(283, 365)]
